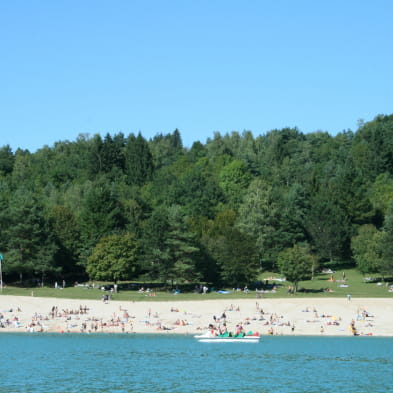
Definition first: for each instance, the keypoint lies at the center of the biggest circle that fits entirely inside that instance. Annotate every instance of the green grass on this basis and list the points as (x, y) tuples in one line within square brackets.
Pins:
[(358, 287)]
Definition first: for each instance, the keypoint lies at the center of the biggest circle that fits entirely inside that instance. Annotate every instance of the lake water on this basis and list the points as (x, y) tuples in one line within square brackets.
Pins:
[(165, 363)]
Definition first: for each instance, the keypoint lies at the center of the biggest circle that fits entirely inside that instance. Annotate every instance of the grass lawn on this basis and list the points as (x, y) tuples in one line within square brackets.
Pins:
[(358, 286)]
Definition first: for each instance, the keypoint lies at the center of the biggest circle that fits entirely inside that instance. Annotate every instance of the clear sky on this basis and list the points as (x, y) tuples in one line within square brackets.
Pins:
[(70, 66)]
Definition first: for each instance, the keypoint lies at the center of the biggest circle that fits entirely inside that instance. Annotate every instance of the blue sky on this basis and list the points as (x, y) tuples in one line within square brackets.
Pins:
[(71, 67)]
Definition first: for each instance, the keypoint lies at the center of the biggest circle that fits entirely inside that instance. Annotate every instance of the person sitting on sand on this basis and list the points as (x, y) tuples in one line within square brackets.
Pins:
[(353, 328)]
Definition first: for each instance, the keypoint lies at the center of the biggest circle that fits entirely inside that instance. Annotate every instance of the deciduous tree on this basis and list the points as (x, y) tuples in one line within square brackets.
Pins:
[(296, 264), (114, 258)]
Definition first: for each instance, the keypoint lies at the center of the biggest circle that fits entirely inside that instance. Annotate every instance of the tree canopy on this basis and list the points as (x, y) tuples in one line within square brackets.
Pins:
[(296, 264), (124, 207), (114, 258)]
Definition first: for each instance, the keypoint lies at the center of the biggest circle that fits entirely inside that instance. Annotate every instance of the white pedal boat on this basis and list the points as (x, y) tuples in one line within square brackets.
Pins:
[(209, 338)]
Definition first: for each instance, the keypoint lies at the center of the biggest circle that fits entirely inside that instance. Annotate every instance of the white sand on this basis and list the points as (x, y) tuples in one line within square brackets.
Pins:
[(332, 316)]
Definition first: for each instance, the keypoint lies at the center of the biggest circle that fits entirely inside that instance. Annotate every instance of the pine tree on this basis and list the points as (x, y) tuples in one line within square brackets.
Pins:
[(138, 160)]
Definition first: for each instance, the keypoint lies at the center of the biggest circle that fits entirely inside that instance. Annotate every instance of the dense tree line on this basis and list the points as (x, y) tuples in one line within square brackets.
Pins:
[(127, 208)]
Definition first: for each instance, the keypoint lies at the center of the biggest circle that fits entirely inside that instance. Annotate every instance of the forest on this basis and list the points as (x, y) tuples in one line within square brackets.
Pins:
[(119, 207)]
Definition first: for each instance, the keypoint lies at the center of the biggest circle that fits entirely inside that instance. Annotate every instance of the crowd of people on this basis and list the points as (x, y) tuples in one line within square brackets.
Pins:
[(245, 316)]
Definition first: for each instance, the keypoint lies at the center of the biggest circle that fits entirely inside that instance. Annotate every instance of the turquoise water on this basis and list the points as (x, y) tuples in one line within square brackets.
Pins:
[(150, 363)]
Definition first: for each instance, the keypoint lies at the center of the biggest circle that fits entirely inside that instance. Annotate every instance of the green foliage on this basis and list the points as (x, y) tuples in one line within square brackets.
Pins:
[(29, 246), (134, 215), (170, 249), (218, 147), (328, 226), (212, 232), (6, 160), (386, 267), (138, 160), (198, 192), (22, 173), (367, 249), (114, 258), (237, 257), (296, 264), (196, 152), (65, 230), (181, 247), (166, 149), (381, 193), (100, 214), (217, 212), (373, 147), (373, 249), (234, 180), (258, 217)]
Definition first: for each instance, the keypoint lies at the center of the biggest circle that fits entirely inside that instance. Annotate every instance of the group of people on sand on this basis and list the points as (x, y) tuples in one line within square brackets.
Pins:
[(274, 321), (232, 307), (333, 320), (219, 324), (181, 322), (54, 312), (70, 320), (37, 323), (229, 318)]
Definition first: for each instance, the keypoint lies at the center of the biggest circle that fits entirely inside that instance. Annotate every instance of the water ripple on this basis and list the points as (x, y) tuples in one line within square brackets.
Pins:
[(130, 363)]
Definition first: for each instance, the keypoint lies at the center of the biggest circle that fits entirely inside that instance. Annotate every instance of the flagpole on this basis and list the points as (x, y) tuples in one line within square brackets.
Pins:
[(1, 273)]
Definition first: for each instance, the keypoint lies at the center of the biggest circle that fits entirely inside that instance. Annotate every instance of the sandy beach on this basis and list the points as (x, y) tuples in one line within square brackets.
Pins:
[(330, 317)]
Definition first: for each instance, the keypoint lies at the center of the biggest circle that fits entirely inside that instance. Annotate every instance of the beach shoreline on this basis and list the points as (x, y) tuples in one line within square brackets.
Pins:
[(284, 316)]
